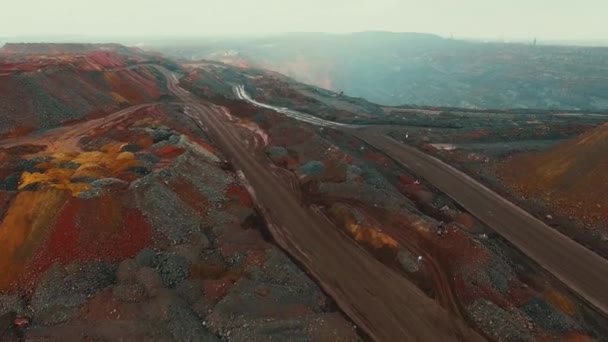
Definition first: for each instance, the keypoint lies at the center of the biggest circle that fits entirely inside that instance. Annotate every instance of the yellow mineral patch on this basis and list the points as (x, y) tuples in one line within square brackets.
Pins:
[(561, 301), (366, 234), (94, 164), (125, 156), (59, 175), (112, 148), (56, 176), (148, 122), (75, 188), (95, 157), (371, 235), (91, 171), (24, 228), (120, 165), (111, 77), (118, 98), (28, 178), (63, 157)]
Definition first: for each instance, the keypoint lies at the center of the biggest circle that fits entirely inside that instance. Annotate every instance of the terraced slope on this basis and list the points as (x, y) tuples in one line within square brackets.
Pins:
[(41, 92)]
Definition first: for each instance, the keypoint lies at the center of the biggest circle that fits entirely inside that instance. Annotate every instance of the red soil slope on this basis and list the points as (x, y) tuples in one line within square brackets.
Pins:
[(134, 230), (46, 91), (570, 177)]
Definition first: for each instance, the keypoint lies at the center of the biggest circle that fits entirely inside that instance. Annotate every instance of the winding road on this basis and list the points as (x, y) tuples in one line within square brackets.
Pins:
[(381, 302), (583, 271)]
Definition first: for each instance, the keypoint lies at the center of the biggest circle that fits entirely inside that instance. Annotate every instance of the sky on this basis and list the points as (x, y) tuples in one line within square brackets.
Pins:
[(491, 19)]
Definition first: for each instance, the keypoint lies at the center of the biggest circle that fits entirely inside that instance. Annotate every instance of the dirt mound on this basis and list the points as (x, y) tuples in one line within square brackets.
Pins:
[(570, 177), (42, 92)]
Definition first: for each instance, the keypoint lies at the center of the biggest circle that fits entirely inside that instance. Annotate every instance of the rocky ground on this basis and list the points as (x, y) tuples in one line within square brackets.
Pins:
[(44, 91), (143, 234), (135, 227), (412, 227)]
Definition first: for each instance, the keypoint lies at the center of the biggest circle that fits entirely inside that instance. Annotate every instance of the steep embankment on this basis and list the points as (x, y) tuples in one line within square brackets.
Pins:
[(571, 177), (41, 91)]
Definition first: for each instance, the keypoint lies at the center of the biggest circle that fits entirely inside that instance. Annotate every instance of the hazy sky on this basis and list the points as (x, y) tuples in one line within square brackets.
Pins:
[(545, 19)]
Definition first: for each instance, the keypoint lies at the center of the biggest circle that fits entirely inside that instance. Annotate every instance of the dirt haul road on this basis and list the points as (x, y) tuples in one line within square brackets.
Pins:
[(381, 302), (65, 138), (582, 270)]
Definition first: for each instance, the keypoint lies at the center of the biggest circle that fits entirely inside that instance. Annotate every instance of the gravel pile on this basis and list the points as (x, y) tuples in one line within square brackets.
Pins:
[(173, 269), (49, 110), (167, 213), (276, 151), (497, 322), (268, 305), (159, 134), (12, 303), (107, 182), (148, 159), (313, 168), (548, 317), (353, 172), (280, 270), (408, 261), (62, 290), (208, 178), (184, 325), (500, 273), (198, 151)]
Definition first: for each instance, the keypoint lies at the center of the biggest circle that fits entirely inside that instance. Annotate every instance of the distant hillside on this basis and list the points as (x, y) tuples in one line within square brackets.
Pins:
[(60, 48), (572, 176), (423, 69)]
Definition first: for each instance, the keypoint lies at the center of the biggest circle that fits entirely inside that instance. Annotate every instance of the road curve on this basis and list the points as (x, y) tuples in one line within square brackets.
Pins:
[(384, 304), (242, 94), (582, 270)]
